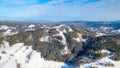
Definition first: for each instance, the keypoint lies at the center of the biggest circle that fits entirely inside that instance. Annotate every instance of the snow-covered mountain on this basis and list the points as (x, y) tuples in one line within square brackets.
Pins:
[(16, 54), (58, 46)]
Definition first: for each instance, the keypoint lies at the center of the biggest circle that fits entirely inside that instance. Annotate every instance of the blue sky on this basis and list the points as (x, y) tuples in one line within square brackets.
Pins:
[(60, 10)]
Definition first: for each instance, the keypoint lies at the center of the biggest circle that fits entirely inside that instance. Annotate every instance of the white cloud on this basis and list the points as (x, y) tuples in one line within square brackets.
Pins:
[(102, 10)]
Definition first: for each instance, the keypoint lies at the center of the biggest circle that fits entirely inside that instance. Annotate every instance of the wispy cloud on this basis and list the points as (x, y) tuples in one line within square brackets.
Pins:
[(60, 10), (80, 2)]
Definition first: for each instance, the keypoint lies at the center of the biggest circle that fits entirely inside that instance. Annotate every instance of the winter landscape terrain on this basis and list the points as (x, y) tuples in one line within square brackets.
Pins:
[(59, 33), (68, 45)]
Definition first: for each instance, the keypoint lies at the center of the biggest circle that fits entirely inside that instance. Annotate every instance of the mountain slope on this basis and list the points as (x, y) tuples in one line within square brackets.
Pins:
[(51, 45)]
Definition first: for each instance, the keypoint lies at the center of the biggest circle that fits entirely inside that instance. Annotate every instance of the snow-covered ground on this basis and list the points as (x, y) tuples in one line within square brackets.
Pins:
[(79, 38), (105, 62), (5, 27), (102, 63), (7, 30), (30, 29), (99, 34), (31, 26), (24, 57), (44, 39)]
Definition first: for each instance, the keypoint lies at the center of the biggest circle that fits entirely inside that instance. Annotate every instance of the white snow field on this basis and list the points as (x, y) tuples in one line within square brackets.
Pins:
[(24, 57), (20, 56)]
